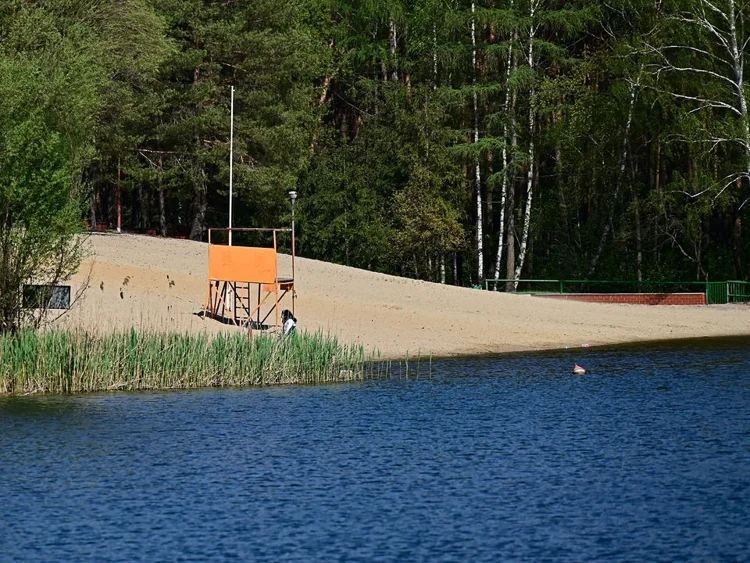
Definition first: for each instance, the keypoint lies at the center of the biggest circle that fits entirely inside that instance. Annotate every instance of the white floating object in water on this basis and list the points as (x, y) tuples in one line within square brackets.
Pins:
[(578, 370)]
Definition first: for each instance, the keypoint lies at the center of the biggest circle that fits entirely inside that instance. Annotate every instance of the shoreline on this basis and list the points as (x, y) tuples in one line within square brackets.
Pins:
[(147, 362), (728, 340), (703, 342), (160, 284)]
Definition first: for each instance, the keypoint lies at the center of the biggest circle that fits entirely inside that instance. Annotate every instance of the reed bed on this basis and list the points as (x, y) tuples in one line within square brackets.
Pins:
[(79, 362)]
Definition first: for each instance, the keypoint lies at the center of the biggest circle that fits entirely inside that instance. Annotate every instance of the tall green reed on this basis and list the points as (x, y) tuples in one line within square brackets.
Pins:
[(79, 362)]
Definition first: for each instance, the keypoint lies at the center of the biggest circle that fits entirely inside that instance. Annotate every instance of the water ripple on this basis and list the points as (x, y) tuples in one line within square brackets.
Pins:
[(493, 459)]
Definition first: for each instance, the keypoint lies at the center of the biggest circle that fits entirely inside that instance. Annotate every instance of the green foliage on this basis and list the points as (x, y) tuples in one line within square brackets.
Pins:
[(428, 225), (366, 109), (346, 206), (49, 95), (79, 362)]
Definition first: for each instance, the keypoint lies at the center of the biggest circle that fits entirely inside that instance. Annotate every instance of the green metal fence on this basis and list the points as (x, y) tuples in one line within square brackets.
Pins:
[(717, 293), (738, 291), (527, 286)]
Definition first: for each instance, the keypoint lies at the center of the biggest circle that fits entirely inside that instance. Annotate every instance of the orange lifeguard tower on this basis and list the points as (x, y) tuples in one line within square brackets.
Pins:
[(244, 281)]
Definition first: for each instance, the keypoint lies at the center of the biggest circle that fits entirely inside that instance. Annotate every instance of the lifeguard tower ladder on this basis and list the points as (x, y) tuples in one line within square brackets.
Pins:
[(244, 281)]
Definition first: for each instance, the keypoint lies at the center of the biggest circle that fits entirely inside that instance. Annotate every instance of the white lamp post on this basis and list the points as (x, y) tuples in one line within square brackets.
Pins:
[(231, 160), (293, 199)]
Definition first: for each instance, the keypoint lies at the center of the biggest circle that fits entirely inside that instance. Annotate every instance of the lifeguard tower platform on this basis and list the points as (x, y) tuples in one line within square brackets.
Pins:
[(245, 286)]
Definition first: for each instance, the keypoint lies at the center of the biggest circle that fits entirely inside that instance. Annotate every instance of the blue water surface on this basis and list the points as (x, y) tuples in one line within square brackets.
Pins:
[(512, 458)]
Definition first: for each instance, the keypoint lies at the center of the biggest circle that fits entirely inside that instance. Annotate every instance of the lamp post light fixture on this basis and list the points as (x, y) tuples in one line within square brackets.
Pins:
[(293, 199)]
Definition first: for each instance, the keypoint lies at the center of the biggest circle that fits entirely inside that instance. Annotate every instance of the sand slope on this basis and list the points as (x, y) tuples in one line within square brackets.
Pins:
[(391, 314)]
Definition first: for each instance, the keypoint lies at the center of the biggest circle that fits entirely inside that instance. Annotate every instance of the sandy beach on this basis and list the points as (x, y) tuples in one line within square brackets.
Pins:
[(159, 283)]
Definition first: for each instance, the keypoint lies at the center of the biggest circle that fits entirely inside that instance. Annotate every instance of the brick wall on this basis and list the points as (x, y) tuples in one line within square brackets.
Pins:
[(635, 298)]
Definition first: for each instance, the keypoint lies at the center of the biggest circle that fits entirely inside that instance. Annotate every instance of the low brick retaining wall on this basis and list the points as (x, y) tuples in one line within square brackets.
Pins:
[(635, 298)]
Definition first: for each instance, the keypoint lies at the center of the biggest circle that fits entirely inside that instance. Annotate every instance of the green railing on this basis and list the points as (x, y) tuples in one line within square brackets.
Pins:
[(529, 286), (717, 293), (738, 291)]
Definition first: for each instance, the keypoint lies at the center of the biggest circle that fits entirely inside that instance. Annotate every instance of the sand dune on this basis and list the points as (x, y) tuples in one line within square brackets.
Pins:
[(161, 283)]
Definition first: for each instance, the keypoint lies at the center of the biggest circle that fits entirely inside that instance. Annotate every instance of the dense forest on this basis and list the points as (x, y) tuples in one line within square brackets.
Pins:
[(449, 140)]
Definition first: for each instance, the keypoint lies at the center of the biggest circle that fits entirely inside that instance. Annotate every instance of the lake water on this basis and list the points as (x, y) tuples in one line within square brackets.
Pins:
[(511, 458)]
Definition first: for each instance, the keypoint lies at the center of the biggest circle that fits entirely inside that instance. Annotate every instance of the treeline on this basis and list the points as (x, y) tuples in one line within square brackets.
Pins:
[(450, 140)]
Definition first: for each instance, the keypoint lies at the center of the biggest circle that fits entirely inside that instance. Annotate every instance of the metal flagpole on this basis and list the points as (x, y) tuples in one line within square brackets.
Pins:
[(230, 291), (119, 199), (231, 161), (293, 200)]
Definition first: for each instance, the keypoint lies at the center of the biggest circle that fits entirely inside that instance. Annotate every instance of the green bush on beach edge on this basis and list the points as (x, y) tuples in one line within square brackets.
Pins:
[(61, 361)]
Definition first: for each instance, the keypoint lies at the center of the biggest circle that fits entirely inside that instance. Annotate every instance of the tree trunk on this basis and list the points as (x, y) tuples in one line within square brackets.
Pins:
[(510, 238), (504, 193), (138, 208), (393, 42), (657, 175), (738, 54), (119, 197), (92, 179), (620, 177), (200, 206), (737, 246), (531, 155), (560, 181), (162, 207), (200, 199), (93, 207), (477, 170), (638, 237), (434, 58), (529, 199)]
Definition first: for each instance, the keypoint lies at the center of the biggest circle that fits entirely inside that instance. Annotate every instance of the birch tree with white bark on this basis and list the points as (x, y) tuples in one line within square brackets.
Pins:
[(633, 89), (711, 45), (477, 168), (509, 64), (534, 6)]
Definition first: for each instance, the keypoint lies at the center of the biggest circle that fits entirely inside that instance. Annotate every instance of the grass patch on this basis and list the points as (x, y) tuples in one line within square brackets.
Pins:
[(79, 362)]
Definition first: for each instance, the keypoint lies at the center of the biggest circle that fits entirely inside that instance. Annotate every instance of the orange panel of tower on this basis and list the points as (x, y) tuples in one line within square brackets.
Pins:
[(241, 264)]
